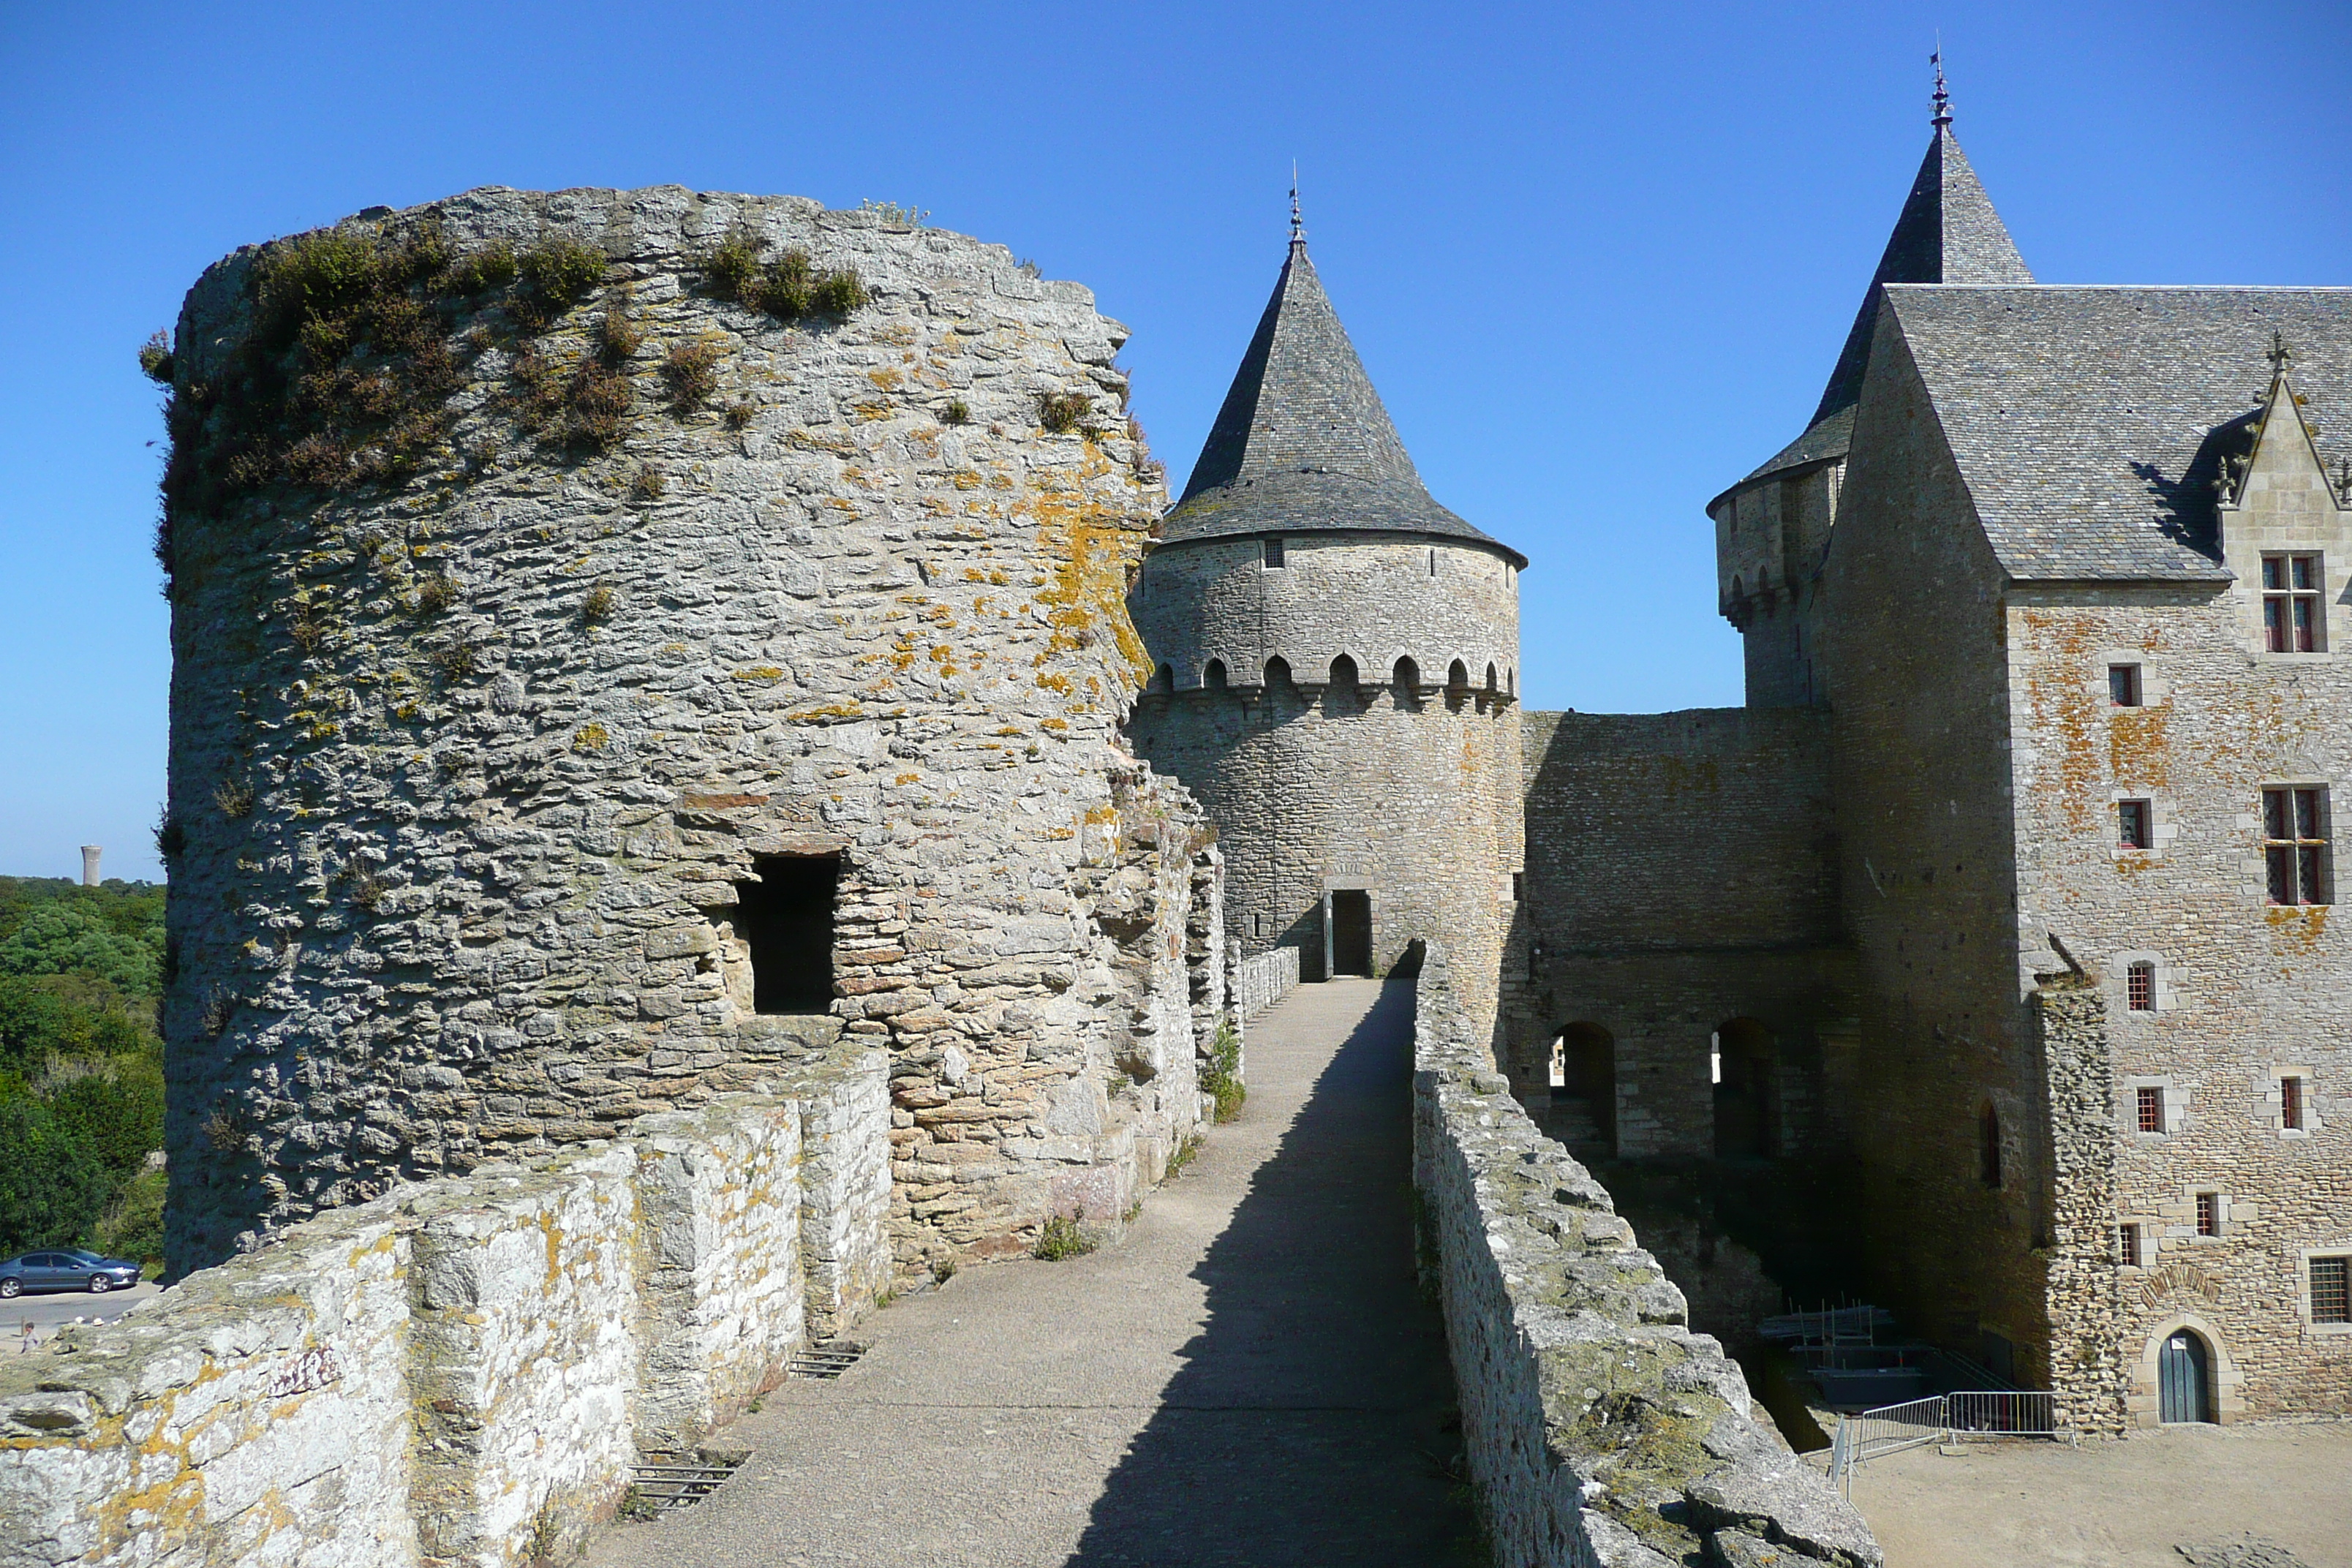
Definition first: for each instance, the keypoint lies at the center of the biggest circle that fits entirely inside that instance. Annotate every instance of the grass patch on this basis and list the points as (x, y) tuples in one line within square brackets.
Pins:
[(692, 371), (1222, 1078), (155, 358), (1061, 412), (1061, 1236), (598, 606), (958, 412), (787, 288)]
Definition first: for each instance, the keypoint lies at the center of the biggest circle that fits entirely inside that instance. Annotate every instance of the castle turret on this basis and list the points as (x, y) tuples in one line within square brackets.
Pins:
[(1772, 528), (1336, 666)]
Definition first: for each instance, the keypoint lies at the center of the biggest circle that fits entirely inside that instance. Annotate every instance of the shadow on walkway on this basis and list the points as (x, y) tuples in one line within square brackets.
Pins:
[(1308, 1423)]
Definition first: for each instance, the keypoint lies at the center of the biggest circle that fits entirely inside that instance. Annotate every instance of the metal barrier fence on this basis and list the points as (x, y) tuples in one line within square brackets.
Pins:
[(1939, 1419)]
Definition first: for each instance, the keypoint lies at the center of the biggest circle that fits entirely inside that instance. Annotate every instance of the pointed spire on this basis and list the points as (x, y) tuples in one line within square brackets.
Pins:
[(1948, 232), (1303, 441)]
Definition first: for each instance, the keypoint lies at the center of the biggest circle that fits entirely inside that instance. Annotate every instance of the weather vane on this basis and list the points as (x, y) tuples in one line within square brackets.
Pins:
[(1943, 98), (1298, 224)]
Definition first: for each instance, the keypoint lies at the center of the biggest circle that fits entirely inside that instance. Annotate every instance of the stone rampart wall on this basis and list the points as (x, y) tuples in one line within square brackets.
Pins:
[(1600, 1429), (1260, 982), (433, 1377)]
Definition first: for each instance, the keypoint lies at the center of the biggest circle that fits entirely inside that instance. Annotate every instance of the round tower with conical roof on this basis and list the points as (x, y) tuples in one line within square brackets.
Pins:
[(1336, 669)]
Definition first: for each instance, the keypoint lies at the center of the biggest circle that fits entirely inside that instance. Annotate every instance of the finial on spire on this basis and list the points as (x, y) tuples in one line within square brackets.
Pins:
[(1943, 115), (1298, 224), (2280, 356)]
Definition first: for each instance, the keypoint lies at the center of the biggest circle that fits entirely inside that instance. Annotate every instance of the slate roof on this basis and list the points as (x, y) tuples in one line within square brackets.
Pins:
[(1948, 232), (2089, 422), (1303, 443)]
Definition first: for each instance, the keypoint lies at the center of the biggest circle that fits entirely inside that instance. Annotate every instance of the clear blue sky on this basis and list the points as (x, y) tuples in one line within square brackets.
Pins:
[(1598, 257)]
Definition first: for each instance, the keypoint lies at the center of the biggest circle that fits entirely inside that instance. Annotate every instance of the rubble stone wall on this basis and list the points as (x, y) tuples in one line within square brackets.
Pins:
[(433, 1377), (1262, 981), (1600, 1429), (483, 707)]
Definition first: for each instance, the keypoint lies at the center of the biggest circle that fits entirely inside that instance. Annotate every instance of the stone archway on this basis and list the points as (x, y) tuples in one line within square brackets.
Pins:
[(2224, 1393)]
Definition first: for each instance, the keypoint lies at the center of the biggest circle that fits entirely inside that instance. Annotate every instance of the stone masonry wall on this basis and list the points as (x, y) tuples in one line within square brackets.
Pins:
[(430, 1377), (1600, 1429), (576, 597), (1260, 982), (1682, 873), (2087, 1366)]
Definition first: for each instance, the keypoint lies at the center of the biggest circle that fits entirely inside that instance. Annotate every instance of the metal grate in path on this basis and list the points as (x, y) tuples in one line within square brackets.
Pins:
[(663, 1483), (827, 1360)]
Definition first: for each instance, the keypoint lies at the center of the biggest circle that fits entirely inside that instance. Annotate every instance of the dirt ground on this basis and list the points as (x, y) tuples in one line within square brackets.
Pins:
[(2132, 1503)]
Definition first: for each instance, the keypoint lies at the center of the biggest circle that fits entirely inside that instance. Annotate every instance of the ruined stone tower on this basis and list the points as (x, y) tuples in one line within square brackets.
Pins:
[(1336, 668)]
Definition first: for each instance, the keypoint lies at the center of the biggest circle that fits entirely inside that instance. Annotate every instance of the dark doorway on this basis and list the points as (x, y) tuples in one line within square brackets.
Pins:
[(2183, 1380), (1744, 1061), (1351, 932), (786, 918), (1584, 1087)]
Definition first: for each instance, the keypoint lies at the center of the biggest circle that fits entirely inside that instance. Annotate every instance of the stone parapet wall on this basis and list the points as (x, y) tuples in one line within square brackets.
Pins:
[(1262, 981), (433, 1377), (1600, 1429)]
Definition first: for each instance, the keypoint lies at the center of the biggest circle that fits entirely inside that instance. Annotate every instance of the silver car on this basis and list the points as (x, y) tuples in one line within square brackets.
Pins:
[(68, 1269)]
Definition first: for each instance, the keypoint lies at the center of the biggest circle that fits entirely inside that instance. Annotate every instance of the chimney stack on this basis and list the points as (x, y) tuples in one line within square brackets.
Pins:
[(90, 865)]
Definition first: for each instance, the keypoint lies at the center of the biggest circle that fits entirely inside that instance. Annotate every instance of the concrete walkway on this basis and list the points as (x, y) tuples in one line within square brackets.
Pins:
[(1249, 1377)]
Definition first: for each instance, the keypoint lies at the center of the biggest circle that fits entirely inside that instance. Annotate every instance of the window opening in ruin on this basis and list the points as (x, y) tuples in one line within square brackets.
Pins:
[(2132, 825), (2331, 1289), (2294, 845), (1518, 887), (1432, 563), (1164, 679), (1343, 675), (1744, 1120), (1492, 678), (2291, 1104), (785, 917), (1274, 558), (1214, 677), (2151, 1109), (2139, 985), (1406, 678), (1277, 673), (2130, 1245), (1989, 1146), (1584, 1087), (2209, 1214), (2123, 685), (2291, 620), (1351, 932), (1457, 676)]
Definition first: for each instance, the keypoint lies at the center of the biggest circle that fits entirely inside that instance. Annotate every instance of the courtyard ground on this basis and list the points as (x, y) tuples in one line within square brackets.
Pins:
[(2131, 1503), (1249, 1376)]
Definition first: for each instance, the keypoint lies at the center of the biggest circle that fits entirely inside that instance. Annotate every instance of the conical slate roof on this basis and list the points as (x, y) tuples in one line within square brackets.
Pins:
[(1948, 232), (1303, 443)]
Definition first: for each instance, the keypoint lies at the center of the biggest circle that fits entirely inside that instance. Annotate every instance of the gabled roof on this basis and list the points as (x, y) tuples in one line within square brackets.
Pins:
[(1947, 233), (2089, 424), (1303, 443)]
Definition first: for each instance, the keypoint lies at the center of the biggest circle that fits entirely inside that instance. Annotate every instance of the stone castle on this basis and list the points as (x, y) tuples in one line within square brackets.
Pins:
[(709, 783)]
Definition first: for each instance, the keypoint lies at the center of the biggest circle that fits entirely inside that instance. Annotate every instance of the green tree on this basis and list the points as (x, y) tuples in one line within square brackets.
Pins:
[(117, 1113), (132, 1225), (52, 1187), (61, 938), (63, 1016)]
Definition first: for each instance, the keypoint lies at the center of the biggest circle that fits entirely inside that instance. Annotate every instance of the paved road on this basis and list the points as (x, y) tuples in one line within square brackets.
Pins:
[(1249, 1377), (46, 1311)]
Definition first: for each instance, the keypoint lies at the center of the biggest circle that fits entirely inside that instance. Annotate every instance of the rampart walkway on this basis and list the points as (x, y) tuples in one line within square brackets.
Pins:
[(1249, 1377)]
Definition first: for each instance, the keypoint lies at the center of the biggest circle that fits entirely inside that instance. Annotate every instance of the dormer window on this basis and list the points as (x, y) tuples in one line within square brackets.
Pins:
[(2291, 619)]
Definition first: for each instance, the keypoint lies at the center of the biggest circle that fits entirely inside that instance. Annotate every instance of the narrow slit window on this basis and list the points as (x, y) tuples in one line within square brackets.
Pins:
[(1989, 1147), (2123, 685), (2209, 1214), (2151, 1109), (2291, 619), (1432, 563), (2140, 991), (785, 916), (2331, 1289), (2291, 1104), (1273, 557), (2129, 1249), (2132, 828), (2294, 845)]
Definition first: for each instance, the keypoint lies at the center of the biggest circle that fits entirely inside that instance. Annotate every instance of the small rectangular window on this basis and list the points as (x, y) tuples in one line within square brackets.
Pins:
[(1432, 563), (2290, 1103), (1273, 561), (2133, 831), (1518, 887), (2209, 1214), (2291, 619), (2130, 1245), (2294, 846), (784, 917), (2151, 1109), (2123, 685), (2331, 1289), (2139, 988)]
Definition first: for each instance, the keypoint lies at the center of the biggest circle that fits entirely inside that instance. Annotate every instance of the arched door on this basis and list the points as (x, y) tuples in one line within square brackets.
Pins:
[(2182, 1379)]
